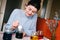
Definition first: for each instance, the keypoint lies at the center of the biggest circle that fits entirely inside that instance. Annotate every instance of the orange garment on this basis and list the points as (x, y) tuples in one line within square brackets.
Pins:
[(58, 31), (41, 25)]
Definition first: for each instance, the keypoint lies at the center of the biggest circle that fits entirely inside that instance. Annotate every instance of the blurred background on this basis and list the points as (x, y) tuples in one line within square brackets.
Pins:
[(47, 10)]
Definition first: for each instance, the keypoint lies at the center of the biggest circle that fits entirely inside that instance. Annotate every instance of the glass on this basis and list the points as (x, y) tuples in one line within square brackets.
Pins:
[(37, 35), (19, 33), (7, 35), (40, 34), (34, 36)]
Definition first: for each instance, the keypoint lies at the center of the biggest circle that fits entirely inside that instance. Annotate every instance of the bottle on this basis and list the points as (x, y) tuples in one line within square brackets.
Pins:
[(19, 33), (7, 35)]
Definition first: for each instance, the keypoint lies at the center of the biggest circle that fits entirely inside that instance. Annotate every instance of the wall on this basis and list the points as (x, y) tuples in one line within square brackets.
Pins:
[(48, 9), (55, 7), (2, 10), (23, 4)]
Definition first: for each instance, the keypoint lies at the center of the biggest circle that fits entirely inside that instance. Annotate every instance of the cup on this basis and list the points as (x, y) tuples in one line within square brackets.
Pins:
[(40, 34), (7, 36), (19, 35)]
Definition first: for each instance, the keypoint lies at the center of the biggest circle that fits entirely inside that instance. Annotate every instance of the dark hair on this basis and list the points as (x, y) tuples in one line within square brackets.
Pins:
[(35, 3)]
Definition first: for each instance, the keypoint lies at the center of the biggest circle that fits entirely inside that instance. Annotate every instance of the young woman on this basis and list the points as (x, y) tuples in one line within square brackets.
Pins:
[(26, 18)]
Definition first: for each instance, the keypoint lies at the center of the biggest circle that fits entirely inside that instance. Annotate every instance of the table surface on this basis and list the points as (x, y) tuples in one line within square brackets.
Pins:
[(25, 38), (13, 37)]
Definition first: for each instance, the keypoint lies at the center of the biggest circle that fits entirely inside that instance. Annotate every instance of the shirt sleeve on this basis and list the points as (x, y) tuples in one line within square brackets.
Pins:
[(11, 19)]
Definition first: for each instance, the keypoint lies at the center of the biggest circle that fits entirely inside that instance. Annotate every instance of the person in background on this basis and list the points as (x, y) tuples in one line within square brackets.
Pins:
[(26, 18)]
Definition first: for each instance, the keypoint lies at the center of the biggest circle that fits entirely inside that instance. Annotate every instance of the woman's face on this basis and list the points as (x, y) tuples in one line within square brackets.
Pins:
[(30, 10)]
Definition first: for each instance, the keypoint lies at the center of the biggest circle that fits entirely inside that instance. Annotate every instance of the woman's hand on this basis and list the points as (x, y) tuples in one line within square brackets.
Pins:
[(24, 34), (15, 24)]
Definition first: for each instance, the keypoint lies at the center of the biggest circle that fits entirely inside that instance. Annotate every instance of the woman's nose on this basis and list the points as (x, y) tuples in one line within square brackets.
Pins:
[(30, 12)]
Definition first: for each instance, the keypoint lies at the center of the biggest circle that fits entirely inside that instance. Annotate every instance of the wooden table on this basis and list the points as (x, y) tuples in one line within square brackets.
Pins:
[(25, 38)]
